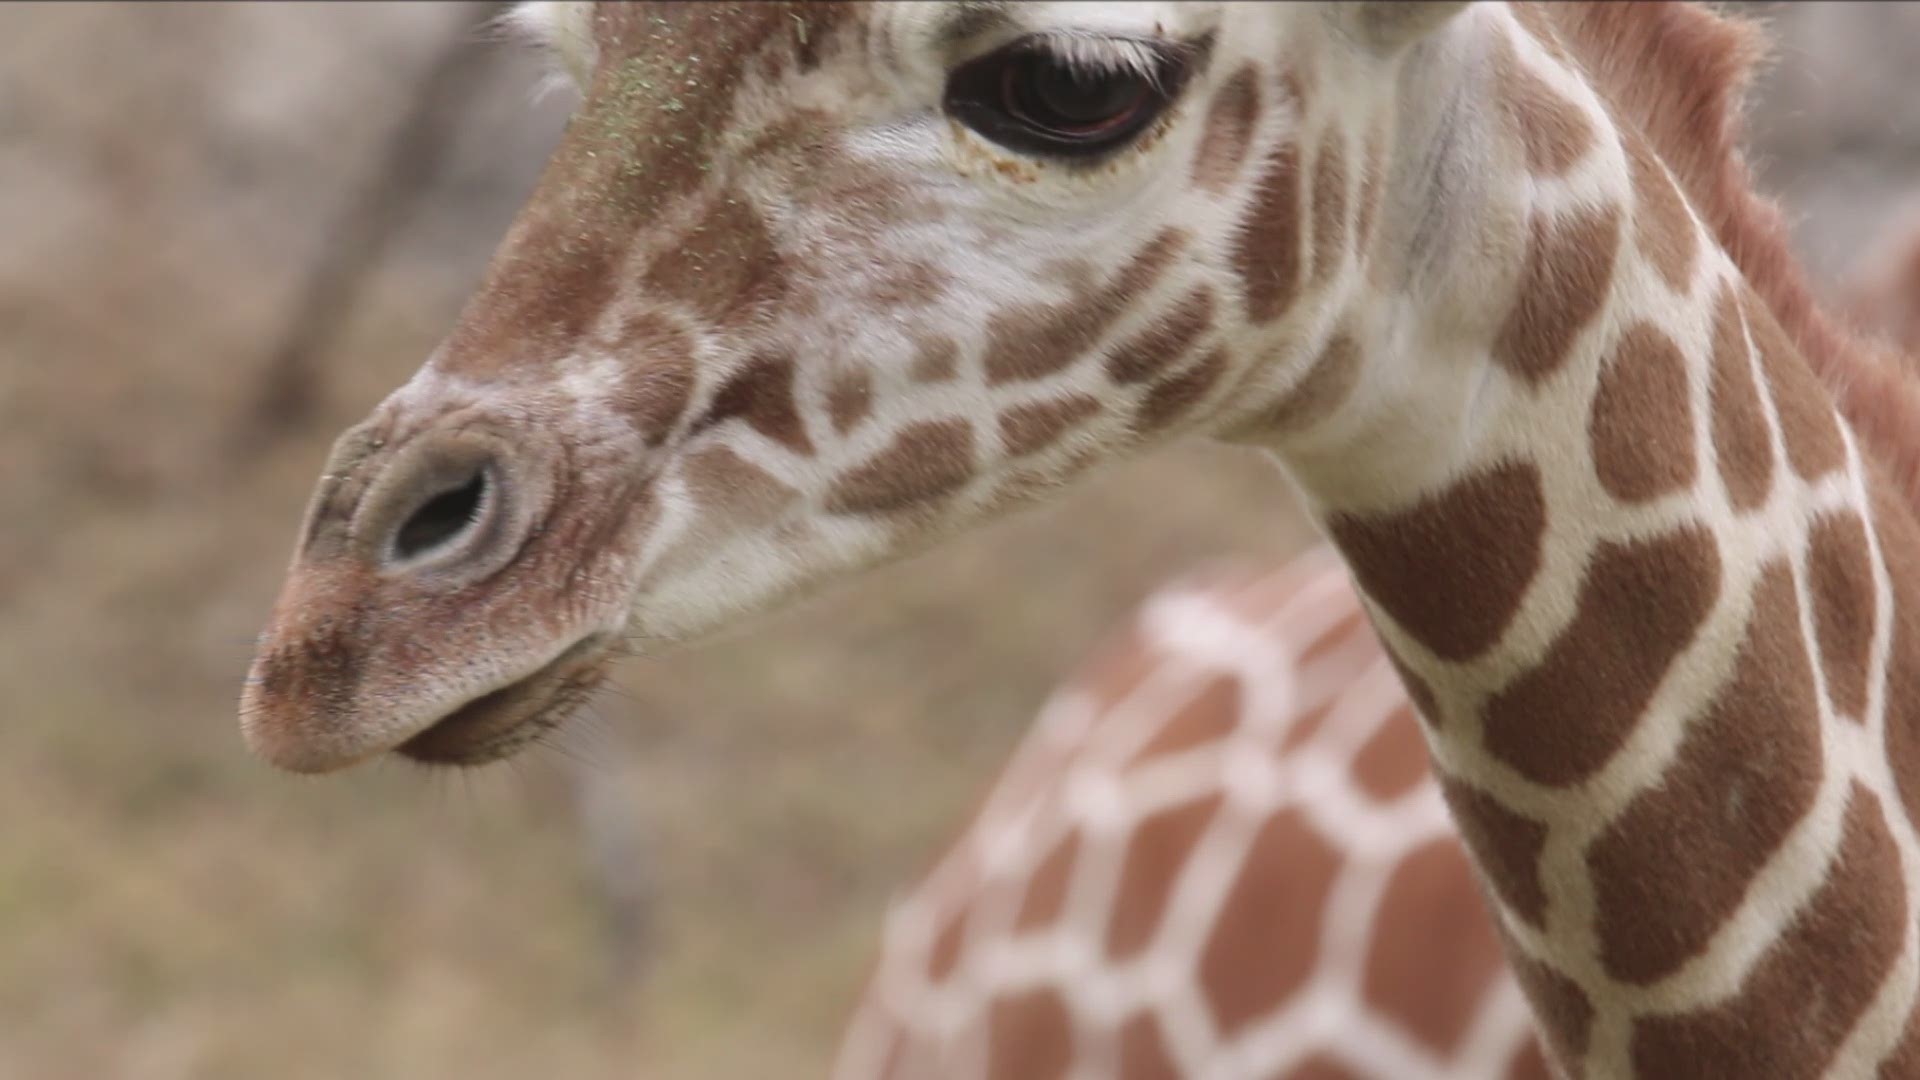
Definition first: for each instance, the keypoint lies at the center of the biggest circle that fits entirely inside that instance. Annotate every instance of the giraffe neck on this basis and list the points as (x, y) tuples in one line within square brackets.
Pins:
[(1657, 611)]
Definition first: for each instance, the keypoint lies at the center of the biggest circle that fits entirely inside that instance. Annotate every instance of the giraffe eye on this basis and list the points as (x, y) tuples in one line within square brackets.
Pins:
[(1030, 99)]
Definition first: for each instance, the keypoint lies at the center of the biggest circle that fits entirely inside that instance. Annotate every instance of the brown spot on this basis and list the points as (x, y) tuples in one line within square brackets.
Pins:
[(1208, 716), (1568, 271), (1529, 1063), (718, 476), (1553, 131), (1745, 773), (1840, 579), (1265, 938), (935, 360), (1661, 227), (1394, 761), (1304, 726), (1434, 953), (1174, 397), (944, 956), (925, 461), (1231, 117), (849, 399), (1156, 854), (1047, 891), (1451, 569), (726, 267), (1807, 422), (1039, 340), (1030, 428), (1893, 521), (1505, 845), (1029, 1037), (1740, 439), (1565, 1015), (1640, 604), (1143, 1050), (1806, 992), (1320, 1066), (1641, 426), (761, 394), (1329, 205), (1334, 374), (1164, 341), (1267, 255)]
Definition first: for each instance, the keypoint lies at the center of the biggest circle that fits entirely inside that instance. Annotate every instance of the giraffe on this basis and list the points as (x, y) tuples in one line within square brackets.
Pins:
[(808, 287), (1048, 937), (1218, 852)]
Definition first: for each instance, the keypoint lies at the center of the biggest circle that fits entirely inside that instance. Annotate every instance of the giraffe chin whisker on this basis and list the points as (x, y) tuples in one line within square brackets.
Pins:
[(502, 722)]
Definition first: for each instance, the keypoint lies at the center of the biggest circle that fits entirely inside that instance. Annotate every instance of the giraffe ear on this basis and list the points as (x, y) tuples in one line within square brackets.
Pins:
[(1392, 25)]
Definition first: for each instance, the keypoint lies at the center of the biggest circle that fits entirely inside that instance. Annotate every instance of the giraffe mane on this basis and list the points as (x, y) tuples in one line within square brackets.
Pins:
[(1679, 73)]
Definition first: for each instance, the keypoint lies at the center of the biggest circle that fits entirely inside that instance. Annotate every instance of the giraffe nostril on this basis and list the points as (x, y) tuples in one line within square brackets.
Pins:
[(442, 518)]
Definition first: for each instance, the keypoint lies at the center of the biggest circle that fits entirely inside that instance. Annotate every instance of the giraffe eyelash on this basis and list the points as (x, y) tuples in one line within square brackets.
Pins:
[(1092, 54)]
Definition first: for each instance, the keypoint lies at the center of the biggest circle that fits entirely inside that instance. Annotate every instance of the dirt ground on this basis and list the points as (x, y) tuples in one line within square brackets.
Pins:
[(690, 886)]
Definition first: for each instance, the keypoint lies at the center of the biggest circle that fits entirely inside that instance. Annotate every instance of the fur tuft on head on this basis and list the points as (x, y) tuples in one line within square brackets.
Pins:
[(563, 29)]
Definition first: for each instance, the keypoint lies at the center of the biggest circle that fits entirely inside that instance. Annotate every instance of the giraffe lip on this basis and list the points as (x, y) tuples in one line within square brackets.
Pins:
[(502, 722)]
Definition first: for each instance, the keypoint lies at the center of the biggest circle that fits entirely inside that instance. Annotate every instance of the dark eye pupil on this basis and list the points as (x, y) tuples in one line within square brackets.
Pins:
[(1058, 95)]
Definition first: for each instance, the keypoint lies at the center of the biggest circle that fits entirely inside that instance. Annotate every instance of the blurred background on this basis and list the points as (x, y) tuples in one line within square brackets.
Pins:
[(226, 230)]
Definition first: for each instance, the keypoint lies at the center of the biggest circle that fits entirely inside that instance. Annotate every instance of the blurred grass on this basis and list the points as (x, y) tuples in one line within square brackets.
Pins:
[(168, 907)]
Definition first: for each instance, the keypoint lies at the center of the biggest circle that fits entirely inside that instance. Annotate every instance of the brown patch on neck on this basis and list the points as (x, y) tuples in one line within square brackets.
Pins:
[(1662, 230), (1641, 423), (1807, 424), (1564, 1013), (1746, 771), (1231, 117), (1840, 580), (1451, 570), (1678, 73), (1810, 987), (1036, 341), (1028, 429), (1505, 845), (1554, 133), (926, 460), (1568, 272), (1640, 605), (1740, 438)]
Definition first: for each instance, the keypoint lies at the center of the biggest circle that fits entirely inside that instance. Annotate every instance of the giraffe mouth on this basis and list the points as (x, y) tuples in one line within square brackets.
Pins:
[(500, 723)]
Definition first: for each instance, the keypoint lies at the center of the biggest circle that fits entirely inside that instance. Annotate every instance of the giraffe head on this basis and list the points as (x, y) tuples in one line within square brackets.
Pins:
[(804, 288)]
